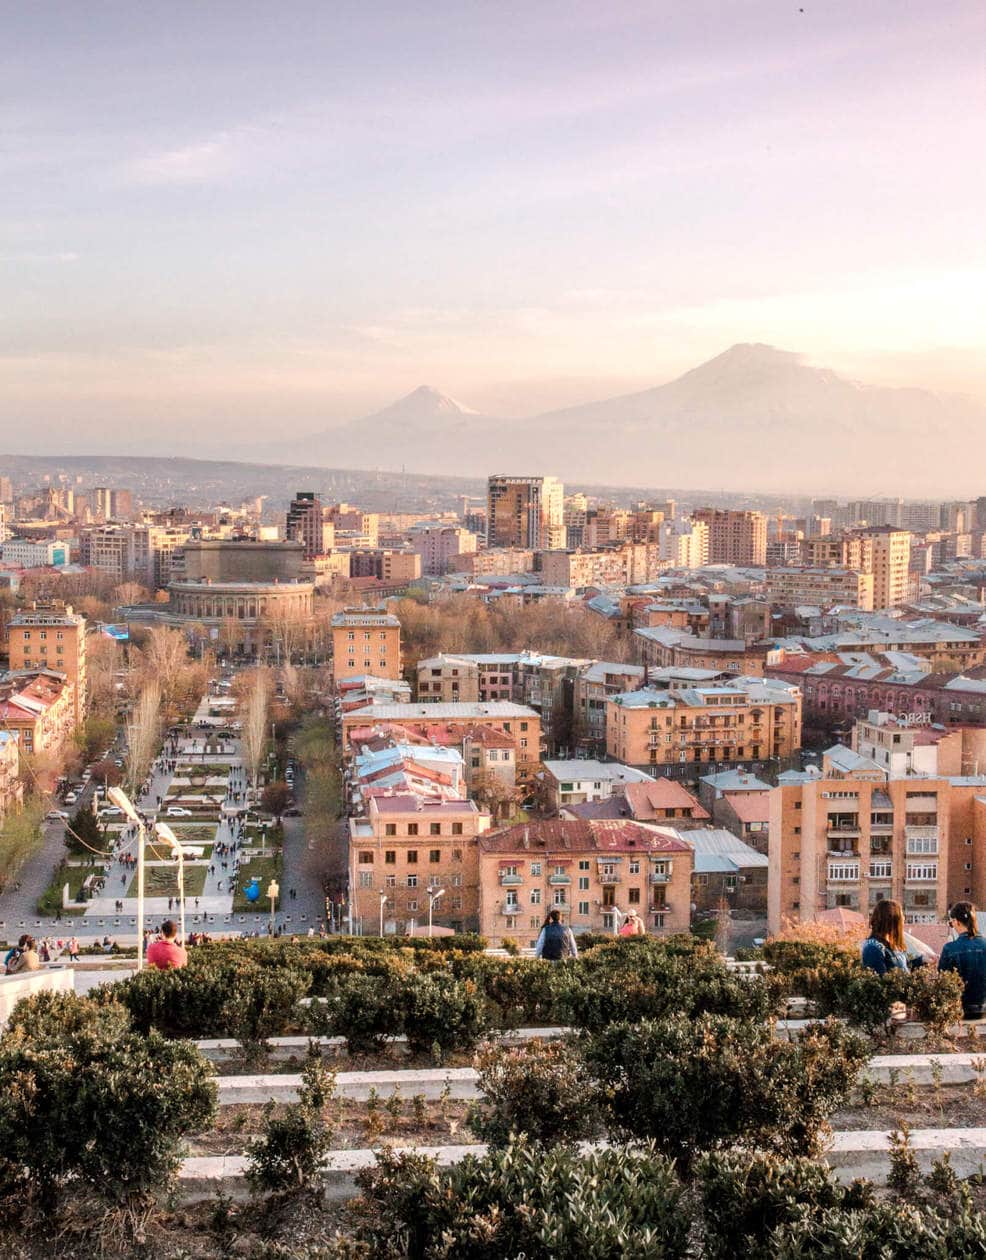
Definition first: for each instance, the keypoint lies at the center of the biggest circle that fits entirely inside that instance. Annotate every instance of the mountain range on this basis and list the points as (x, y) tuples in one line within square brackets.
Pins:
[(754, 417)]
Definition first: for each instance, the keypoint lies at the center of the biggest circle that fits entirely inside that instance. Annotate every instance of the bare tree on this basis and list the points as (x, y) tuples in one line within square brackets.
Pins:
[(143, 735), (255, 723)]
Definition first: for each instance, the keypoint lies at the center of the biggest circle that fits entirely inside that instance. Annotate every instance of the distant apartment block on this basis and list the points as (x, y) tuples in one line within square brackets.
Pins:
[(366, 641), (439, 545), (29, 554), (822, 587), (748, 720), (591, 872), (51, 635), (525, 512), (306, 523), (735, 537)]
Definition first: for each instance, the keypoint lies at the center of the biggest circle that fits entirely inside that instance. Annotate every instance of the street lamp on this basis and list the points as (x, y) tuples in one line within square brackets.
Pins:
[(383, 905), (433, 896), (165, 833), (122, 801), (272, 891)]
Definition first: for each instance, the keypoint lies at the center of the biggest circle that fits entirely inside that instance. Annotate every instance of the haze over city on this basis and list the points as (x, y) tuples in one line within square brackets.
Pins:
[(230, 226)]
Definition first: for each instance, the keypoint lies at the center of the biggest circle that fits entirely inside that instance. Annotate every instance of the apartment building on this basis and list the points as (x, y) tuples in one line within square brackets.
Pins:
[(824, 587), (366, 641), (306, 523), (26, 553), (439, 545), (51, 635), (11, 787), (449, 724), (578, 569), (407, 852), (748, 720), (353, 527), (594, 684), (37, 707), (891, 566), (735, 537), (389, 565), (525, 512), (575, 782), (494, 562), (912, 745), (666, 646), (591, 871), (851, 841)]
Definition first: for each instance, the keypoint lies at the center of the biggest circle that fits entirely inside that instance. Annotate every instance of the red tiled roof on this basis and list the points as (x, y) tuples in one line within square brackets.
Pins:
[(581, 835), (749, 807), (647, 800)]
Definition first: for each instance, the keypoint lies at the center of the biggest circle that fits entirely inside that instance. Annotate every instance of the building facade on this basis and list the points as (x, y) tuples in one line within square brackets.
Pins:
[(51, 635), (525, 512), (366, 641), (735, 537)]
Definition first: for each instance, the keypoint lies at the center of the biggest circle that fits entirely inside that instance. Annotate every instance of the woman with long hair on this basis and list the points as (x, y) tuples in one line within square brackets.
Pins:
[(966, 954), (884, 949)]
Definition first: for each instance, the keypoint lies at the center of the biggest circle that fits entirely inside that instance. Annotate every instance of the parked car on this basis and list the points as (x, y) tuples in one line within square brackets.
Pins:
[(71, 798), (56, 815), (177, 811), (111, 811)]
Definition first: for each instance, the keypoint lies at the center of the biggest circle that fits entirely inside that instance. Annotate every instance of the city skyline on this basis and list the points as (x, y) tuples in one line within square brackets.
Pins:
[(217, 222)]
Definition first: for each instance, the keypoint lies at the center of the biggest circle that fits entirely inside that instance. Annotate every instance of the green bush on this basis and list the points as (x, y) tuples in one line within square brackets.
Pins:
[(440, 1011), (630, 981), (525, 1201), (290, 1155), (935, 999), (746, 1195), (878, 1232), (518, 991), (365, 1009), (696, 1083), (540, 1090), (87, 1103)]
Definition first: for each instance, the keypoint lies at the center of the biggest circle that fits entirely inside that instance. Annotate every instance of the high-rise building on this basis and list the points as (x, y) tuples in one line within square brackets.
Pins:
[(6, 490), (735, 537), (526, 512), (51, 636), (306, 523), (891, 565), (108, 504), (874, 512)]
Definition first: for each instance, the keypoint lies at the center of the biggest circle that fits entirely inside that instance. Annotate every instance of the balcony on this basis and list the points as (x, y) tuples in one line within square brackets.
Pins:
[(922, 831), (511, 881), (844, 853), (660, 877), (924, 847), (609, 880), (563, 906), (912, 878), (881, 870), (510, 908), (842, 828), (843, 873), (556, 879)]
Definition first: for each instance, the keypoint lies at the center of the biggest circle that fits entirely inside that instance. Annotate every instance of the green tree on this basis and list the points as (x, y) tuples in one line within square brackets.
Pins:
[(84, 832)]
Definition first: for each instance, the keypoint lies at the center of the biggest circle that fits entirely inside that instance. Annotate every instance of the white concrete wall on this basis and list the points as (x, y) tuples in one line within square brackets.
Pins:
[(13, 988)]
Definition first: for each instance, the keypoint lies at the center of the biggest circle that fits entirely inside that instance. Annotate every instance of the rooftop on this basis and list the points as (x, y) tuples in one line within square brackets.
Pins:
[(581, 835), (461, 711)]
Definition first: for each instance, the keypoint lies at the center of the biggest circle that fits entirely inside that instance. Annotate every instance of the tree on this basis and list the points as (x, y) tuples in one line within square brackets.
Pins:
[(83, 833), (107, 772), (131, 593), (494, 794), (255, 723), (143, 735), (275, 798), (20, 839), (93, 735)]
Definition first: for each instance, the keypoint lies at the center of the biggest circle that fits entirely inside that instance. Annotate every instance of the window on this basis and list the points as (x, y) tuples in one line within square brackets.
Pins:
[(412, 904), (366, 857), (391, 881), (583, 883), (584, 864), (634, 867), (633, 896), (523, 725), (412, 829), (457, 831), (434, 855), (366, 879), (560, 870), (390, 829), (535, 896), (559, 897), (412, 881), (455, 881), (412, 857), (535, 868), (922, 870), (456, 855), (583, 907), (390, 857), (701, 880), (435, 829)]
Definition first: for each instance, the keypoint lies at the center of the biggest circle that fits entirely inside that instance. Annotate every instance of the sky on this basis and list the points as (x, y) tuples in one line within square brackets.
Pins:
[(226, 221)]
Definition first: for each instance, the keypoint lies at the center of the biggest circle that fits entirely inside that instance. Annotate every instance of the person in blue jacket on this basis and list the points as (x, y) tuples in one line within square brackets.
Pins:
[(966, 954), (884, 949)]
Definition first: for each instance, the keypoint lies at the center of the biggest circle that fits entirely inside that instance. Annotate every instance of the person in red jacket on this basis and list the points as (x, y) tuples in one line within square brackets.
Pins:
[(166, 953)]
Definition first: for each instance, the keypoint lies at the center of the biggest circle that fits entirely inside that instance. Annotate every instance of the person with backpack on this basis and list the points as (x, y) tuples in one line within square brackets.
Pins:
[(884, 948), (966, 954), (556, 941)]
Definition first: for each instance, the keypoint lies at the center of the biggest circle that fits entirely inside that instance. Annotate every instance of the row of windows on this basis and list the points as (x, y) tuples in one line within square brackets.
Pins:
[(410, 855), (43, 634), (434, 829), (410, 881)]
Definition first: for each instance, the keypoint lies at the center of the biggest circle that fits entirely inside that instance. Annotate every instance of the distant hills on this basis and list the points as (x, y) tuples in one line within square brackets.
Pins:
[(754, 417)]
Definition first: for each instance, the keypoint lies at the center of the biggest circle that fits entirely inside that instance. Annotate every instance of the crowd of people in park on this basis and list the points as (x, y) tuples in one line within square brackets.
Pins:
[(29, 955)]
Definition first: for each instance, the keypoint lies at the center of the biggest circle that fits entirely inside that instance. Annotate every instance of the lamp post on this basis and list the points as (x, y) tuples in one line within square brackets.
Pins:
[(168, 836), (272, 891), (383, 906), (123, 801), (433, 896)]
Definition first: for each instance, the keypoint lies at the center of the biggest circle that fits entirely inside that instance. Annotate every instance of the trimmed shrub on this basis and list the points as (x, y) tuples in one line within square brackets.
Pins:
[(518, 991), (694, 1083), (364, 1009), (84, 1100), (540, 1090), (525, 1201), (289, 1157), (879, 1231), (935, 999), (746, 1195), (440, 1011)]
